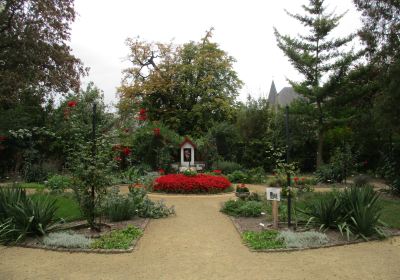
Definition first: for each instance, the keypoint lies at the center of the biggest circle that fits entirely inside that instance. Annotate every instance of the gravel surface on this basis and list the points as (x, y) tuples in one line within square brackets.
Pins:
[(202, 243)]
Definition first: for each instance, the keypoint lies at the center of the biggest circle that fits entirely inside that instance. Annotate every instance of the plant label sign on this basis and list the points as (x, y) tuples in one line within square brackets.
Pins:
[(274, 194)]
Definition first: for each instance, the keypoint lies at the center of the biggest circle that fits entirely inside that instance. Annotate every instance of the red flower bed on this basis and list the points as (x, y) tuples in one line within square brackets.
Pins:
[(179, 183)]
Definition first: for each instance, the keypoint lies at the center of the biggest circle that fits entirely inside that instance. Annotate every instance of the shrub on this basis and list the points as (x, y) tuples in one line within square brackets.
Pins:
[(226, 167), (59, 183), (325, 211), (262, 240), (29, 216), (329, 173), (238, 176), (34, 173), (242, 208), (302, 239), (179, 183), (118, 239), (361, 180), (117, 207), (66, 239), (257, 175), (7, 231), (363, 211)]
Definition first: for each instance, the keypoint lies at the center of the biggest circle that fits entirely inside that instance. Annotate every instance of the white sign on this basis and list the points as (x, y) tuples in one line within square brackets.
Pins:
[(274, 194)]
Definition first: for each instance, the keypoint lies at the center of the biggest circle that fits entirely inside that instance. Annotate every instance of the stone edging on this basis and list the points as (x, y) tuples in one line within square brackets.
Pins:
[(97, 251), (240, 231)]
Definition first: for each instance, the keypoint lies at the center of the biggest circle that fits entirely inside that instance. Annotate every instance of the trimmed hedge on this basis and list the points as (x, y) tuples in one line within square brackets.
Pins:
[(179, 183)]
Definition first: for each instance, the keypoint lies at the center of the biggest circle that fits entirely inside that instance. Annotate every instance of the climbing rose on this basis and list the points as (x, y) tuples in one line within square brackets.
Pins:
[(126, 151), (72, 103)]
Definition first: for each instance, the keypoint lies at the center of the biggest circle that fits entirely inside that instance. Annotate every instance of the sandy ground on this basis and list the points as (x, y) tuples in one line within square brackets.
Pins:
[(201, 243)]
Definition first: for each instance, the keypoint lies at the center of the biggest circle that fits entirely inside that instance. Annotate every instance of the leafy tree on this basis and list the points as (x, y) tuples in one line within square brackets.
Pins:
[(322, 61), (34, 56), (187, 87)]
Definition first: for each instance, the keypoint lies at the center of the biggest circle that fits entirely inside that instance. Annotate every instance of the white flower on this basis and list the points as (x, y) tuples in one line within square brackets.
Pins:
[(261, 224), (262, 213)]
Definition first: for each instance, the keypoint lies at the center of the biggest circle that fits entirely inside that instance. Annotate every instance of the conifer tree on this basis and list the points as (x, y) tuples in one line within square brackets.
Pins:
[(322, 60)]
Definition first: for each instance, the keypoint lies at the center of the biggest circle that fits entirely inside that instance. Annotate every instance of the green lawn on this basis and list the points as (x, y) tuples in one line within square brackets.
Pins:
[(391, 212), (68, 208)]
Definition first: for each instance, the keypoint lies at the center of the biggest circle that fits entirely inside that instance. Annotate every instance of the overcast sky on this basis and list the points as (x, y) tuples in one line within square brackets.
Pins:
[(244, 29)]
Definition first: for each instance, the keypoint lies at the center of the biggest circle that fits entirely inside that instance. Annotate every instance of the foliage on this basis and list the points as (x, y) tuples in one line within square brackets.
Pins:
[(242, 208), (226, 138), (361, 180), (28, 216), (318, 56), (190, 173), (262, 240), (329, 173), (241, 188), (356, 211), (194, 184), (325, 211), (227, 167), (59, 183), (34, 52), (238, 176), (7, 231), (66, 239), (302, 239), (118, 239), (363, 211), (187, 87), (155, 151)]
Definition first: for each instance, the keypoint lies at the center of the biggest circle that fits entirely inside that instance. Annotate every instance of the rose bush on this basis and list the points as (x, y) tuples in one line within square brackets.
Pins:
[(179, 183)]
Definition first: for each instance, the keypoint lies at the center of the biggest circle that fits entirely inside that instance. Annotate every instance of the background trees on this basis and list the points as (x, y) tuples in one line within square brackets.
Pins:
[(321, 60), (186, 87)]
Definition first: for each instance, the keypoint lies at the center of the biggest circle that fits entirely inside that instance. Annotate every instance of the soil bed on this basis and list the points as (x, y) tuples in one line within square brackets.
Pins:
[(335, 238), (81, 227)]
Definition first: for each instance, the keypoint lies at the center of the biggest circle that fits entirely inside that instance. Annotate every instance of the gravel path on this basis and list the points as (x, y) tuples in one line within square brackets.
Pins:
[(201, 243)]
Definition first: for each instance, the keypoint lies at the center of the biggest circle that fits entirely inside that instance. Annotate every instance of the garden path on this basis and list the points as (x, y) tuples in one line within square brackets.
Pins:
[(201, 243)]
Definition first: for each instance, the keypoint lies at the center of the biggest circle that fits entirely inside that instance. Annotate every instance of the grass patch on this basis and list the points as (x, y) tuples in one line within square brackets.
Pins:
[(390, 212), (68, 207), (35, 186), (118, 239), (262, 240)]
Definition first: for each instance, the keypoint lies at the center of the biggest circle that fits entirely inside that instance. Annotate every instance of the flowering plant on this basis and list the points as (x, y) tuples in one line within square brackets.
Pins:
[(242, 188), (72, 103), (217, 171), (156, 131), (179, 183)]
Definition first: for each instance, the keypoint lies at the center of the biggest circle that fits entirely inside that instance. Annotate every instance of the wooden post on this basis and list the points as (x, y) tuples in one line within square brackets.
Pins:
[(275, 213)]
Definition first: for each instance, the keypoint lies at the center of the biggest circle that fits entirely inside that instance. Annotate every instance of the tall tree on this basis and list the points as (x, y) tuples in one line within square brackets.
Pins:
[(34, 56), (187, 87), (322, 60)]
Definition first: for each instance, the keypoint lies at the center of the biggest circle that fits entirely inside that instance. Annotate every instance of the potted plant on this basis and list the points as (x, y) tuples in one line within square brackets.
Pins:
[(242, 191)]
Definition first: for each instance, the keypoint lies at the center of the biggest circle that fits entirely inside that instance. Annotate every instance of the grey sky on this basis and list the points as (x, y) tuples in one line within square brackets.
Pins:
[(244, 29)]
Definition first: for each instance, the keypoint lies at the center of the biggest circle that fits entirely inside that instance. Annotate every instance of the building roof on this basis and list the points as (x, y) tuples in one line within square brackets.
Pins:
[(187, 140), (272, 94), (283, 98)]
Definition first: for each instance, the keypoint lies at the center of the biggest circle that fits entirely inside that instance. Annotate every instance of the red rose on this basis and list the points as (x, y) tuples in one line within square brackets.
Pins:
[(156, 131), (126, 151), (142, 114), (296, 179), (161, 171), (72, 103), (302, 179)]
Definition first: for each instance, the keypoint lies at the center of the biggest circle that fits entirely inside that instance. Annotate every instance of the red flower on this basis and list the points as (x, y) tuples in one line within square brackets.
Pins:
[(302, 179), (117, 158), (156, 131), (296, 179), (217, 171), (142, 114), (3, 138), (126, 151), (161, 171), (72, 103), (191, 184)]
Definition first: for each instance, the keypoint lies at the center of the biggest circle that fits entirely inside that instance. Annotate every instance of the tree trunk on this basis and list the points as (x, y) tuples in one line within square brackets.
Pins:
[(320, 147)]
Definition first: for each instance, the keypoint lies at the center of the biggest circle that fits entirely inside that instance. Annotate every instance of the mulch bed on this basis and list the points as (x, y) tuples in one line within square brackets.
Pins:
[(243, 224), (82, 228)]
